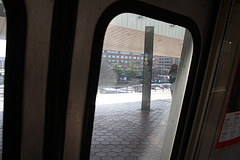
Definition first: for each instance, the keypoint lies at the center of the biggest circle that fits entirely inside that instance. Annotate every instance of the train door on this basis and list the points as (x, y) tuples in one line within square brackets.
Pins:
[(175, 146), (219, 134), (53, 67)]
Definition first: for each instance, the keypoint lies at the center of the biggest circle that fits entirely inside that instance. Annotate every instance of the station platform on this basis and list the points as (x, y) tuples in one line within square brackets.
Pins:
[(123, 132)]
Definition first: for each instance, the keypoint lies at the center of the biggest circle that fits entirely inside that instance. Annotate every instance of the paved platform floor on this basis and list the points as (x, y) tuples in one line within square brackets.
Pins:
[(122, 132)]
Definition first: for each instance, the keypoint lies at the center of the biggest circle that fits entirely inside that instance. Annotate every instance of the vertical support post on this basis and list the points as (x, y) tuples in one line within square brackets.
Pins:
[(147, 68)]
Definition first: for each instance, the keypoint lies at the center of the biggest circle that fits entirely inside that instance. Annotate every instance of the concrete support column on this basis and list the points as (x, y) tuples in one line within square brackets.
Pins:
[(147, 68)]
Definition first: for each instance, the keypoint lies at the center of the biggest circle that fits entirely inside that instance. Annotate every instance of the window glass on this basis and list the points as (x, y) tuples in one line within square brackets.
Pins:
[(134, 98), (112, 51), (2, 67)]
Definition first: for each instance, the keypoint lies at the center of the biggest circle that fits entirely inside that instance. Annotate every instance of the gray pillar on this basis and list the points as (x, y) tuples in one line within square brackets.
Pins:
[(147, 68)]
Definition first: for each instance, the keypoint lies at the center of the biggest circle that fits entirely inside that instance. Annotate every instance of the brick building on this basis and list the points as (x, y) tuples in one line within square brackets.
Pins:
[(161, 65)]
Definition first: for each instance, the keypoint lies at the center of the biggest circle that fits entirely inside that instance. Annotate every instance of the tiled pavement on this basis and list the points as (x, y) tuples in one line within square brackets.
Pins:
[(122, 132)]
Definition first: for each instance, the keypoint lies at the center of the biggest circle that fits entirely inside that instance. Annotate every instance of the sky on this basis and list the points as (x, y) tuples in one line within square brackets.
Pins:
[(2, 48)]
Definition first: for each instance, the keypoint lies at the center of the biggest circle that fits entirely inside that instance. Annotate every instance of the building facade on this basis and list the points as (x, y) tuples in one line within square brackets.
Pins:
[(160, 66)]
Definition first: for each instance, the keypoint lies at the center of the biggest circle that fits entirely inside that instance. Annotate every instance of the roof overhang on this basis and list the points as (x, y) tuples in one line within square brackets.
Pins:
[(124, 39)]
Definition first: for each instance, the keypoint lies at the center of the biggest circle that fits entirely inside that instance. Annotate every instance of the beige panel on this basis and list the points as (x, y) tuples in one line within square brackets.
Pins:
[(86, 21), (39, 23)]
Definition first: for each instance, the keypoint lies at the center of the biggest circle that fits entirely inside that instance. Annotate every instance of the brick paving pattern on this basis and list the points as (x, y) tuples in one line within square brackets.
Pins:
[(122, 132)]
